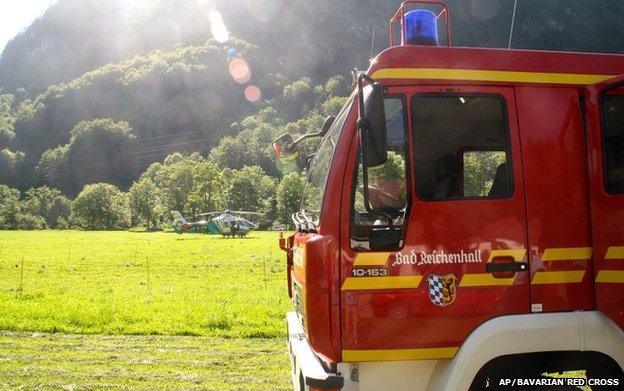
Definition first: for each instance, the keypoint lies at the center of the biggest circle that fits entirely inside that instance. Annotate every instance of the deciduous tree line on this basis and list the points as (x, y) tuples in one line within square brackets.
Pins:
[(239, 173), (190, 184)]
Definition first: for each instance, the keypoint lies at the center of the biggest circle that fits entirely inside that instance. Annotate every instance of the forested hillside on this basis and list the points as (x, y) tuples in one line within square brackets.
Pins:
[(96, 91), (301, 38)]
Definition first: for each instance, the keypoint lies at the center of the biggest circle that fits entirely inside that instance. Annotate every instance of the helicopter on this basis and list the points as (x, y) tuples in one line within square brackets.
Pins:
[(226, 223)]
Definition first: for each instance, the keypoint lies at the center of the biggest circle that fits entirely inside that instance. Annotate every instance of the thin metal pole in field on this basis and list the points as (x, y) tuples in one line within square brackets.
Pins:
[(69, 252), (148, 275), (265, 276), (207, 268), (21, 286)]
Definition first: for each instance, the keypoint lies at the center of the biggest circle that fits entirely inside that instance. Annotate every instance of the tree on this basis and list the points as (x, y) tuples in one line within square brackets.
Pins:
[(250, 189), (209, 188), (337, 86), (49, 204), (251, 147), (301, 96), (10, 207), (332, 105), (98, 152), (12, 169), (7, 118), (101, 206), (289, 196), (175, 181), (52, 168), (27, 221), (145, 203)]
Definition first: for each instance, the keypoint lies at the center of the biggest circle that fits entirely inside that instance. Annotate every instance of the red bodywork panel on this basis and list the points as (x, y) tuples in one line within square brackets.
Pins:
[(553, 149), (456, 58), (313, 271), (559, 219), (607, 211)]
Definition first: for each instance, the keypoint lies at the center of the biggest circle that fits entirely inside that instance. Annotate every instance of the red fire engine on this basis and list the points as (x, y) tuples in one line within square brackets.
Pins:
[(462, 225)]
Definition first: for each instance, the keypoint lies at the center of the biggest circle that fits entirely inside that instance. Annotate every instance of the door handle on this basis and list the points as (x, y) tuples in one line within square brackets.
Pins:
[(507, 267)]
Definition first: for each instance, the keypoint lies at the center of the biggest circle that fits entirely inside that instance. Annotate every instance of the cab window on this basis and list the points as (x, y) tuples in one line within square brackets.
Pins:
[(613, 138), (461, 147), (387, 183)]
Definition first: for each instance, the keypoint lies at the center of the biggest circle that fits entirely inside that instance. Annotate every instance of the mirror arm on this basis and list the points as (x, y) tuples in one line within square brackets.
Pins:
[(326, 126), (307, 136), (362, 125)]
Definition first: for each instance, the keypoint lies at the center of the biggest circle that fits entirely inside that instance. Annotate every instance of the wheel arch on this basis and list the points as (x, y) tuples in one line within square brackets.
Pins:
[(528, 333)]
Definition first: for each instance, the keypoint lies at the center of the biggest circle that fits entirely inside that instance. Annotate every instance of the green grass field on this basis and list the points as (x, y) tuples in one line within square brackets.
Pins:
[(194, 305)]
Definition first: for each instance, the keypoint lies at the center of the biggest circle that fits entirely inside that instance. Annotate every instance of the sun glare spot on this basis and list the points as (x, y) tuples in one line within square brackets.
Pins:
[(217, 27), (134, 10), (239, 69), (253, 94)]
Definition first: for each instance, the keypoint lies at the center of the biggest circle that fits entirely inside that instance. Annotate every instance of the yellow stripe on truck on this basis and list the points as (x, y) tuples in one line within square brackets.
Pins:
[(610, 277), (616, 252), (376, 283), (558, 277), (398, 354), (484, 279), (489, 76), (567, 254), (517, 254), (487, 279), (371, 259)]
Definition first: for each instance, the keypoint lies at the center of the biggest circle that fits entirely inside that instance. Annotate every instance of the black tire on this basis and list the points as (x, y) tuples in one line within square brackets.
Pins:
[(537, 365)]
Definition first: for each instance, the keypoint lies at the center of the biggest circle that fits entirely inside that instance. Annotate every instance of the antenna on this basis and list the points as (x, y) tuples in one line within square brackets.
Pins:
[(513, 21), (373, 44)]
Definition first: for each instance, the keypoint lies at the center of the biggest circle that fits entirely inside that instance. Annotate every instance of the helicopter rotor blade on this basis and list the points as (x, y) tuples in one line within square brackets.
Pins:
[(208, 214), (242, 212)]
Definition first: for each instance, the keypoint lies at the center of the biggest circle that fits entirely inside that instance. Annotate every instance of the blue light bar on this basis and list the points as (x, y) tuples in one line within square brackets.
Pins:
[(420, 27)]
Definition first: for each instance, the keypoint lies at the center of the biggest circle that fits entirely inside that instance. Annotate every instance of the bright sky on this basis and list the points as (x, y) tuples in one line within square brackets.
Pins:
[(16, 15)]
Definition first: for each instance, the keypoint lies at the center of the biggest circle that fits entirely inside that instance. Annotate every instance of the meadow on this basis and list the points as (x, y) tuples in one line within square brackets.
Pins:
[(208, 303)]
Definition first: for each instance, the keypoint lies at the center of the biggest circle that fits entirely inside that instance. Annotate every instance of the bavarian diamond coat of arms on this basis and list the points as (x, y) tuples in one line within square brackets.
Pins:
[(442, 289)]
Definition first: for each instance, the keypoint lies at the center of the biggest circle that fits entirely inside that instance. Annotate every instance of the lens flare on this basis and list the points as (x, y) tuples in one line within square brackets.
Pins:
[(239, 69), (217, 27), (253, 94)]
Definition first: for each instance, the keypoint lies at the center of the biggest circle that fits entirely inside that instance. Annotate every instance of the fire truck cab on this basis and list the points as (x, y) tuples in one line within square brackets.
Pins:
[(463, 221)]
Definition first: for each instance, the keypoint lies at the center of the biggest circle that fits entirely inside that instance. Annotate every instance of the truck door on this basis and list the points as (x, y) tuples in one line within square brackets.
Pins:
[(605, 132), (464, 256)]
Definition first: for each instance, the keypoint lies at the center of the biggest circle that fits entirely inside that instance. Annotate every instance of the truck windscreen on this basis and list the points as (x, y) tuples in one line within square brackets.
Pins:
[(312, 199)]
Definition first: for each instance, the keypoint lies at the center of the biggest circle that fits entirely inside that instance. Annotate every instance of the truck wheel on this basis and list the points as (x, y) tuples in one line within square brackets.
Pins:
[(547, 365), (301, 382)]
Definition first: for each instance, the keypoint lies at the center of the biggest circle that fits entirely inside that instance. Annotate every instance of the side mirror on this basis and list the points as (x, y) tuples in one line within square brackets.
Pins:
[(375, 116), (285, 149)]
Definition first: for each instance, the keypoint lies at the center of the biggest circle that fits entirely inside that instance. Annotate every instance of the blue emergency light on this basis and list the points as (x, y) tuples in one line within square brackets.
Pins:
[(420, 27)]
